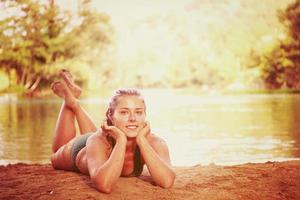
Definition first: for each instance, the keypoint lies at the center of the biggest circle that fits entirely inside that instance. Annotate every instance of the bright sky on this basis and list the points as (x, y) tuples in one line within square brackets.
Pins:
[(124, 12), (134, 42), (161, 34)]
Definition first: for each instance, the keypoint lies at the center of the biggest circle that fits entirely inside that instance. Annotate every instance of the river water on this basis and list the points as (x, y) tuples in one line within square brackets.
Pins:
[(199, 129)]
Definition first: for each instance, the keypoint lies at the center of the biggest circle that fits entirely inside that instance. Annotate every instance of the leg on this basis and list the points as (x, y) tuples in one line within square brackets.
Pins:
[(65, 135), (65, 128), (85, 122), (65, 131)]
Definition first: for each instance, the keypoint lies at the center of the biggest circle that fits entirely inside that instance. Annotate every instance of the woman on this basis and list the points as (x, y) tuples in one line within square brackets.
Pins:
[(122, 146)]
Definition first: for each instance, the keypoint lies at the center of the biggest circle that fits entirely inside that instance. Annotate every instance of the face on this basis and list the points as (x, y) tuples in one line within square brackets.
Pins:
[(129, 115)]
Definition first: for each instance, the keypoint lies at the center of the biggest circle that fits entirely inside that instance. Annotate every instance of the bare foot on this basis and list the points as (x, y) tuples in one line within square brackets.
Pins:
[(67, 76), (61, 89), (55, 88)]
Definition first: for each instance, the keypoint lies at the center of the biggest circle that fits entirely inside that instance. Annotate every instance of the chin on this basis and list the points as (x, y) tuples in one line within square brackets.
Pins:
[(131, 134)]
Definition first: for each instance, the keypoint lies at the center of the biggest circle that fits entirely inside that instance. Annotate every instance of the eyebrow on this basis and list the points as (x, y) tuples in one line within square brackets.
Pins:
[(134, 108)]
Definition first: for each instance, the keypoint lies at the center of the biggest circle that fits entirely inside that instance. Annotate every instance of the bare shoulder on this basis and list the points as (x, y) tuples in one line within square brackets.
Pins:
[(98, 139), (160, 147), (155, 140)]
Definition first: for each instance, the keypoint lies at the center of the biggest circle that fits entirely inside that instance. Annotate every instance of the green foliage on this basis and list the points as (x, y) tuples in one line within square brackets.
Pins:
[(38, 39), (4, 81), (282, 65)]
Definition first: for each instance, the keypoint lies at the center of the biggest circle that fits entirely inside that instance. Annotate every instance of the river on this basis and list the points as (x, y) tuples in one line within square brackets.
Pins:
[(199, 129)]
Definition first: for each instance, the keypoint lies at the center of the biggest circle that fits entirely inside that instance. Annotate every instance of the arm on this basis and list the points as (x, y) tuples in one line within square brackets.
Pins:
[(157, 159), (105, 170)]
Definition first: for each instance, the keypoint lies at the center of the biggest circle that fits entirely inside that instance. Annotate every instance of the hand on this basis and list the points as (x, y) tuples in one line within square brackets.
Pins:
[(144, 131), (113, 131)]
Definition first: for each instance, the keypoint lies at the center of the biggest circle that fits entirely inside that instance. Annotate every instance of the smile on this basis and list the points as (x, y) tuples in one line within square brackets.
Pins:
[(132, 127)]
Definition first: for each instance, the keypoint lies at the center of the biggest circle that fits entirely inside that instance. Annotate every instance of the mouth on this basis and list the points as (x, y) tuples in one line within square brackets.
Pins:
[(132, 127)]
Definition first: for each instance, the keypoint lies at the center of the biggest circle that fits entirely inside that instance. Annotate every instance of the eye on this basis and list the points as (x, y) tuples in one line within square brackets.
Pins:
[(123, 112), (139, 112)]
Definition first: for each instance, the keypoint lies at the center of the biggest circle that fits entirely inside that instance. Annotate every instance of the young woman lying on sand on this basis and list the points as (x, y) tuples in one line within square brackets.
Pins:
[(120, 148)]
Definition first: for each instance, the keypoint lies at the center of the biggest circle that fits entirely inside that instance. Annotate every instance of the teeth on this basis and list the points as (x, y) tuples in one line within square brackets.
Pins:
[(131, 127)]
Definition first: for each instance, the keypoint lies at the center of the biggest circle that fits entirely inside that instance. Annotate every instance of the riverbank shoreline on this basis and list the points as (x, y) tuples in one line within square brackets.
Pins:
[(270, 180), (105, 92)]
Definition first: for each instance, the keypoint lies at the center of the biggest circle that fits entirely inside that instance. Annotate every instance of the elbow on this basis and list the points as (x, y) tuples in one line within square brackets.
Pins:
[(53, 161), (169, 182), (103, 186), (104, 189)]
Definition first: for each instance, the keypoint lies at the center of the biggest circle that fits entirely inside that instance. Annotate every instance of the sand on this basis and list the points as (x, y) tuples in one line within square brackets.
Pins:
[(271, 180)]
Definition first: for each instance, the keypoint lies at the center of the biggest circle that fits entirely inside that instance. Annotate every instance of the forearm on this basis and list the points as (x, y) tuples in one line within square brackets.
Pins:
[(85, 122), (161, 172), (108, 173)]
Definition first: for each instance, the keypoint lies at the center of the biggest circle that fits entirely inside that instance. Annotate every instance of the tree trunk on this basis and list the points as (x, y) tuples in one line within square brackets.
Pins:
[(29, 82), (34, 86), (23, 77)]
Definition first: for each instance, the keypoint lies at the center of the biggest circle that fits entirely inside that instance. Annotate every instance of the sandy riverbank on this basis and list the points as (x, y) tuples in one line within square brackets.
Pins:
[(271, 180)]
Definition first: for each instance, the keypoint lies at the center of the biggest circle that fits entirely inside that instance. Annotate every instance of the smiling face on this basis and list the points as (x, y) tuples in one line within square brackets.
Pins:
[(129, 114)]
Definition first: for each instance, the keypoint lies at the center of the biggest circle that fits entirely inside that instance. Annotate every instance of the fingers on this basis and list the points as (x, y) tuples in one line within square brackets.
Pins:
[(106, 128), (113, 131), (147, 123), (146, 128), (104, 124)]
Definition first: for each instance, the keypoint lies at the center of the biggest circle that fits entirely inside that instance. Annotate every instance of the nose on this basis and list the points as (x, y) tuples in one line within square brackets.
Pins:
[(132, 117)]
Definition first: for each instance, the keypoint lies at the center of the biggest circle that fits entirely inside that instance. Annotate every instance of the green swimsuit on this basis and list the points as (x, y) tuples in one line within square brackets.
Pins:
[(80, 142)]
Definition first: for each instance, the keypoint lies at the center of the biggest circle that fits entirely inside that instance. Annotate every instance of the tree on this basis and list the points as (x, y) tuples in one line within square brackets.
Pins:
[(282, 65), (37, 35), (31, 38)]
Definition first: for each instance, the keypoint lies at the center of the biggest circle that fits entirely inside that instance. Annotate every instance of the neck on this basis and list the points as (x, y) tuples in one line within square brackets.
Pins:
[(131, 144)]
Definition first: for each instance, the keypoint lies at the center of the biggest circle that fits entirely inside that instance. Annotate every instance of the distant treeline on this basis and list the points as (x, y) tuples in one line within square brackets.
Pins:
[(37, 39)]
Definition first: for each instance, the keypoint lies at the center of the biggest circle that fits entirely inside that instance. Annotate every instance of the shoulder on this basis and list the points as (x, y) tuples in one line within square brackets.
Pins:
[(98, 138), (156, 141), (160, 147)]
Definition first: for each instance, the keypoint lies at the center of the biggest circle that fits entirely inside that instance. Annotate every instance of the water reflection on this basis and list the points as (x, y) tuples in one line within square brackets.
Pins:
[(198, 129), (26, 128), (294, 124)]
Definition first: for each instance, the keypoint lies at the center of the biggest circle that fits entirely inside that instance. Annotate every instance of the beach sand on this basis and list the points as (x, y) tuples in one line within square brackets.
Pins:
[(271, 180)]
